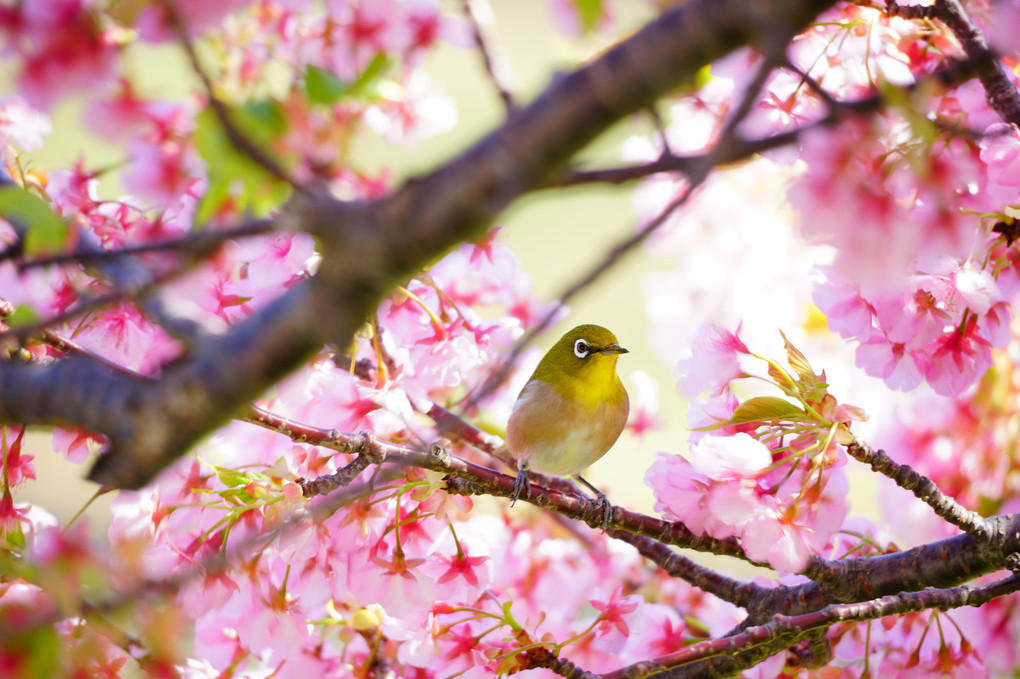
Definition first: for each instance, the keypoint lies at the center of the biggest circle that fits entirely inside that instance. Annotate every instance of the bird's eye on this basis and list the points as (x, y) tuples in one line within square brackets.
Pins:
[(581, 348)]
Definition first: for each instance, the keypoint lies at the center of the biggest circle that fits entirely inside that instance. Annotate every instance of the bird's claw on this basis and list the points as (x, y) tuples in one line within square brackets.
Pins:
[(601, 504), (521, 485)]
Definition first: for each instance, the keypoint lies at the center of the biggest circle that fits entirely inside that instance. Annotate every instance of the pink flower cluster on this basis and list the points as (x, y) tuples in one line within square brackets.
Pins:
[(62, 46), (404, 578), (894, 215), (733, 487), (941, 328), (735, 483), (443, 590), (431, 581), (912, 280), (892, 220)]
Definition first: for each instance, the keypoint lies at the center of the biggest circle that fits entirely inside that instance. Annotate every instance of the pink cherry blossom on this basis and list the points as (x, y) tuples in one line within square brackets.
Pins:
[(358, 30), (713, 362), (162, 171), (977, 289), (613, 616), (17, 466), (958, 360), (427, 25), (1000, 152), (679, 491), (900, 367), (23, 125), (725, 457), (62, 47), (194, 15), (420, 112), (846, 312)]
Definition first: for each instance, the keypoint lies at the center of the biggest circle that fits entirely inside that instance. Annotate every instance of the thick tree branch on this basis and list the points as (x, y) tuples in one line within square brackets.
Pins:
[(368, 247), (790, 628), (158, 421)]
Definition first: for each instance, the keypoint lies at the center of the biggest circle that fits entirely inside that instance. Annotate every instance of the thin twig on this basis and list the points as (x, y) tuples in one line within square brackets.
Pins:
[(953, 74), (362, 368), (203, 242), (449, 424), (729, 133), (615, 254), (23, 333), (678, 566), (479, 15), (67, 346), (236, 137)]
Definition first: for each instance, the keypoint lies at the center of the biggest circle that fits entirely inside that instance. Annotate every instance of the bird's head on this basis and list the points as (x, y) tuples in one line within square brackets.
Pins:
[(585, 357)]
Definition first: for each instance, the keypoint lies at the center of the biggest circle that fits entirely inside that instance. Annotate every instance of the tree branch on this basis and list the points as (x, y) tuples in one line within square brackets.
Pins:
[(738, 148), (236, 137), (197, 244), (367, 247), (786, 628), (479, 15), (922, 487), (1000, 93)]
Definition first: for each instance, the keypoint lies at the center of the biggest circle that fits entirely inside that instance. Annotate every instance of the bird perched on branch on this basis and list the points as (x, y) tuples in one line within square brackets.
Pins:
[(571, 411)]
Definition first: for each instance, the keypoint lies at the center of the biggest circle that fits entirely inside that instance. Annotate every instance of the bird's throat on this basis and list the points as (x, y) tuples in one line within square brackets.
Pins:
[(597, 386)]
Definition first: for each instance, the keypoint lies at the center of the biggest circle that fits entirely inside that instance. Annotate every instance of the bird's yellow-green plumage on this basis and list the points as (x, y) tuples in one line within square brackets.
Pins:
[(573, 408)]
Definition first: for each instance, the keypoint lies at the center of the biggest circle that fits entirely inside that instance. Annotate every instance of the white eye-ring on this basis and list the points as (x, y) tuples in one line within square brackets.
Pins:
[(581, 348)]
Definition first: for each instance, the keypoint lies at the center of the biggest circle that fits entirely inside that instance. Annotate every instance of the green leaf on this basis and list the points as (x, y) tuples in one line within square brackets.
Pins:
[(766, 408), (323, 87), (232, 174), (46, 232), (23, 315), (232, 478), (589, 11), (375, 68), (262, 121)]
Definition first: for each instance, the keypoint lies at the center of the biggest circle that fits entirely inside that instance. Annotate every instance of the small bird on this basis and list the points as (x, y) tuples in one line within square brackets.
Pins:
[(571, 411)]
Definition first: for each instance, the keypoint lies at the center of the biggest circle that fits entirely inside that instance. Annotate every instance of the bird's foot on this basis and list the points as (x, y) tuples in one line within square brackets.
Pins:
[(600, 503), (521, 485)]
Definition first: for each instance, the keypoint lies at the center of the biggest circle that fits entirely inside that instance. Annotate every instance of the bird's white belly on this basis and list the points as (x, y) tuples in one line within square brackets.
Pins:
[(559, 437), (572, 454)]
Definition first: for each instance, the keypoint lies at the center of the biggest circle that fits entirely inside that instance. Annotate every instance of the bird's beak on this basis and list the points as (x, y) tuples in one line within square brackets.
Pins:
[(613, 349)]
